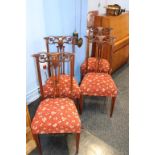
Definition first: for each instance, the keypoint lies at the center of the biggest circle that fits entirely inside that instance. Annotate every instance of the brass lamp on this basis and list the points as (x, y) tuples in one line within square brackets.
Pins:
[(78, 41)]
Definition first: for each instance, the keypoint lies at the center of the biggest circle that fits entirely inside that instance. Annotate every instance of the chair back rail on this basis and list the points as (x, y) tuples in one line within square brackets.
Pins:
[(100, 31), (60, 42), (56, 67), (93, 31)]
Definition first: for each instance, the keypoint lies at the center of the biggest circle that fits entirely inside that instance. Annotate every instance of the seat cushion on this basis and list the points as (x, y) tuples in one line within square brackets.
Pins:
[(57, 115), (64, 87), (98, 84), (104, 65)]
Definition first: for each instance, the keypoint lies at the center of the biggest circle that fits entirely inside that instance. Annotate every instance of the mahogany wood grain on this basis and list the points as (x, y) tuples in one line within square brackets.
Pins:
[(56, 66)]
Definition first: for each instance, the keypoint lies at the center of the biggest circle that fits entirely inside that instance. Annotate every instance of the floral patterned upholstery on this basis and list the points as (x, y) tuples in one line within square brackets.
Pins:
[(98, 84), (64, 87), (104, 65), (56, 115)]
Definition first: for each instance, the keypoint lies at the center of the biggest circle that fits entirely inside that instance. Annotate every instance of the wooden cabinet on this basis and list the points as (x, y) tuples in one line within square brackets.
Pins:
[(120, 26)]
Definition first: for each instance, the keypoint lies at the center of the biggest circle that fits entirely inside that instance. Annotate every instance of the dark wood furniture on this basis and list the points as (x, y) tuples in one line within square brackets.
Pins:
[(120, 30), (54, 113), (89, 65), (67, 84), (62, 43), (98, 83)]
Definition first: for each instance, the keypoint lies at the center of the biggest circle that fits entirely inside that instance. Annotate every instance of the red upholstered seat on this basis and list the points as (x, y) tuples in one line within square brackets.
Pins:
[(98, 84), (104, 65), (64, 87), (57, 115)]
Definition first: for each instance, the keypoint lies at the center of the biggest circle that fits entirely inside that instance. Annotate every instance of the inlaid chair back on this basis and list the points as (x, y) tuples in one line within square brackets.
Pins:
[(56, 67), (96, 31), (60, 42), (102, 31), (89, 64), (103, 49), (96, 69), (92, 31)]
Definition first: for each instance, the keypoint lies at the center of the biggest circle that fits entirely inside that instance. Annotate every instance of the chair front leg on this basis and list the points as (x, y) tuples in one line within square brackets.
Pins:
[(112, 105), (76, 103), (81, 77), (77, 142)]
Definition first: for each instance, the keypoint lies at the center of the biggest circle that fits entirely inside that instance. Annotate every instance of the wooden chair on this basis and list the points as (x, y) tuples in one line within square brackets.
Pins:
[(61, 42), (98, 83), (106, 61), (47, 89), (57, 114), (31, 141)]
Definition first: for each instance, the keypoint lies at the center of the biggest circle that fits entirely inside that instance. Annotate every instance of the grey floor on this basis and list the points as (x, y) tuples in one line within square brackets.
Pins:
[(95, 119)]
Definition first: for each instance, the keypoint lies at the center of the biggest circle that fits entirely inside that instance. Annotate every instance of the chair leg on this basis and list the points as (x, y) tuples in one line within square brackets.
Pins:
[(37, 139), (81, 104), (77, 142), (112, 105), (81, 77), (76, 104)]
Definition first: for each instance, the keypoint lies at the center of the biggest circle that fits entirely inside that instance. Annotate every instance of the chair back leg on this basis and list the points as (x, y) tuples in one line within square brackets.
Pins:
[(77, 142), (112, 105)]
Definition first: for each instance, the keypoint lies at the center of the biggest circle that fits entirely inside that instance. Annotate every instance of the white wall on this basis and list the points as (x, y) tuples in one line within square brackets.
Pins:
[(93, 4), (59, 18), (51, 17), (35, 31)]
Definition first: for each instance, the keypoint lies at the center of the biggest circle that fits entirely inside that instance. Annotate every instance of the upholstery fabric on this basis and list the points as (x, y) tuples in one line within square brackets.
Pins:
[(98, 84), (56, 115), (104, 65), (64, 87)]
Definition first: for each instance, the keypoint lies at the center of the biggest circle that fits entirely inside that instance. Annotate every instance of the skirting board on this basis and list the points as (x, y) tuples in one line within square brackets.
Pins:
[(32, 95)]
